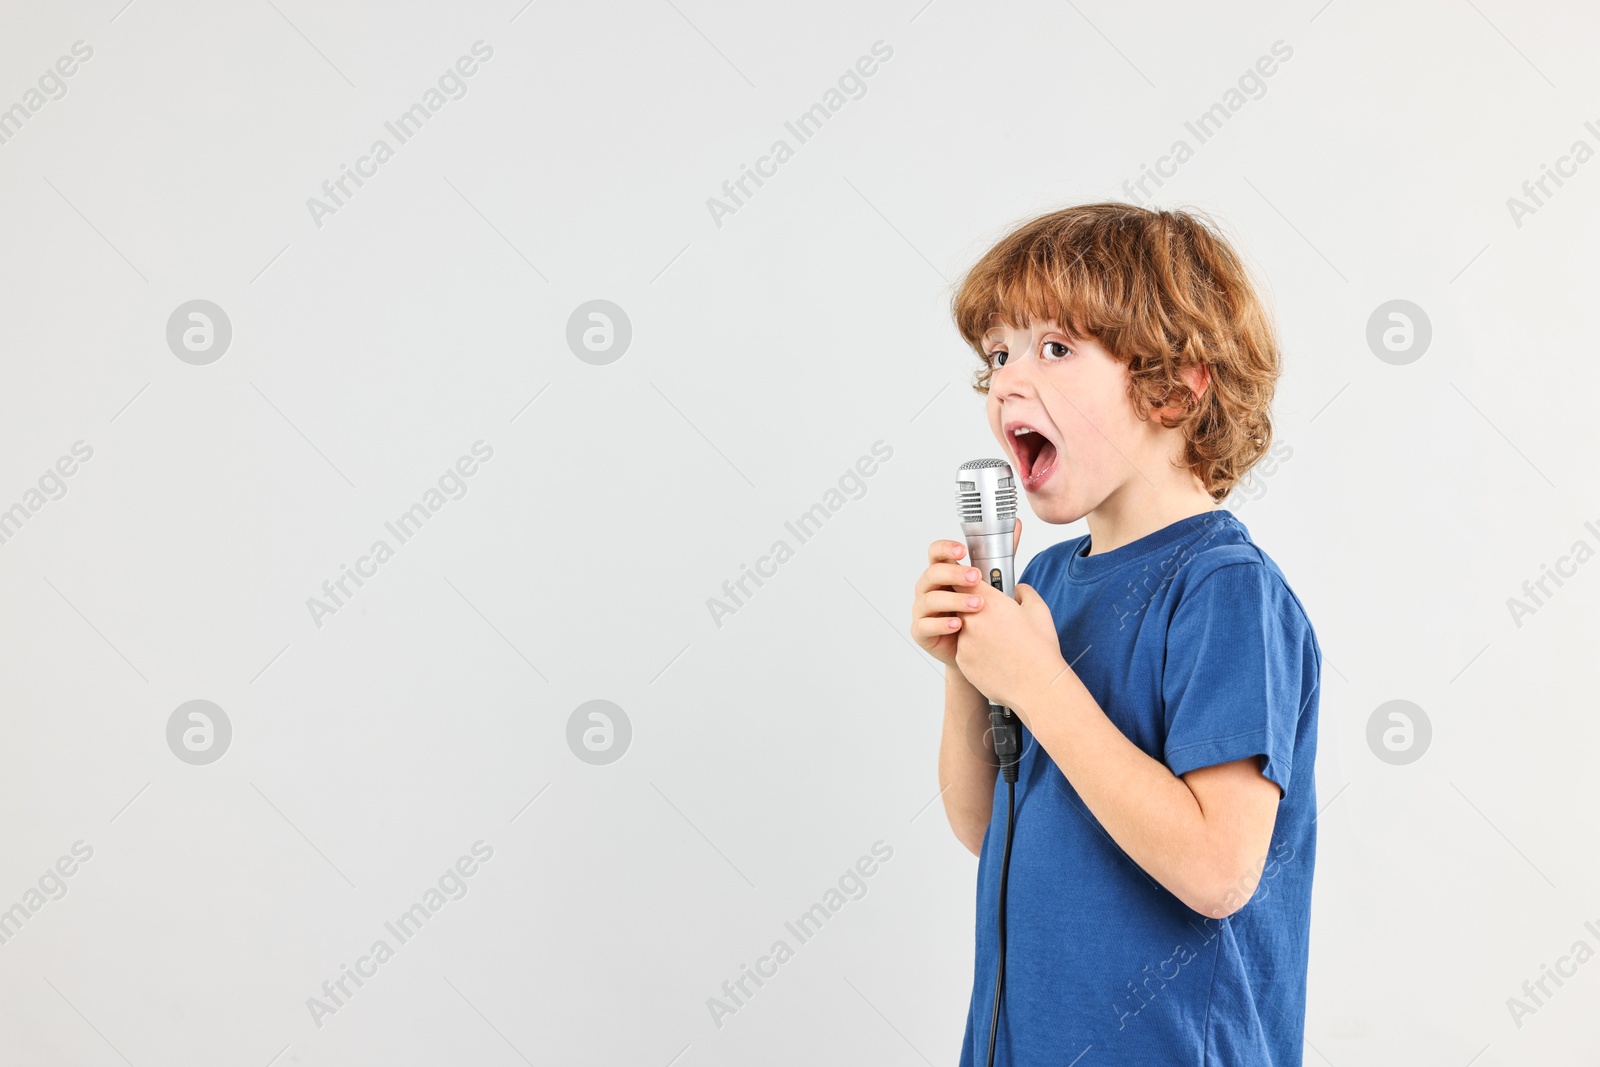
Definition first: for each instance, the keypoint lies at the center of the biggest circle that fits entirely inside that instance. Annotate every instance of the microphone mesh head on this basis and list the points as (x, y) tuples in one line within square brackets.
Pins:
[(989, 495)]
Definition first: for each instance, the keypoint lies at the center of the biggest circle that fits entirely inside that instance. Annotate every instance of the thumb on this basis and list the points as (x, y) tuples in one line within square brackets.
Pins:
[(1016, 537), (1030, 600)]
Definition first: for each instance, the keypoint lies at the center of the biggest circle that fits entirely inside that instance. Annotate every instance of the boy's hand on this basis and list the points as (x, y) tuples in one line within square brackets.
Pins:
[(1009, 648), (941, 597)]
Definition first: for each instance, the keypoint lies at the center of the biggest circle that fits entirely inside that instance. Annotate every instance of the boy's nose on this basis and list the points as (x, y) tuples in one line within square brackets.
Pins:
[(1013, 379)]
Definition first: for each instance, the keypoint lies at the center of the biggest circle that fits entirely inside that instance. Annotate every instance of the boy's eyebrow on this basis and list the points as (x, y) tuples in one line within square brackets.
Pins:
[(1033, 329)]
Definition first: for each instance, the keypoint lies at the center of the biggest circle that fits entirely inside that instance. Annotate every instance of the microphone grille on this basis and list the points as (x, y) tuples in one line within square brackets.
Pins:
[(969, 502), (998, 486), (1005, 500)]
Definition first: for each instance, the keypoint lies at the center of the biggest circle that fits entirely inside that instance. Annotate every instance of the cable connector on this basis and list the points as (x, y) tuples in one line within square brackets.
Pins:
[(1006, 733)]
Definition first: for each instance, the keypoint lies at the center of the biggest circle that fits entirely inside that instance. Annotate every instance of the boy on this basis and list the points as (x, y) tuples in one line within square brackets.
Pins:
[(1165, 676)]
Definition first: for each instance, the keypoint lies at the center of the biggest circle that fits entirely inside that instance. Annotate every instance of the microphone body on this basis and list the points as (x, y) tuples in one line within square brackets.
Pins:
[(986, 497)]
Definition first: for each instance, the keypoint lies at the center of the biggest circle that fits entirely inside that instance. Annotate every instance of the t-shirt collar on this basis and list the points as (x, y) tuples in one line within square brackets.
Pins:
[(1086, 568)]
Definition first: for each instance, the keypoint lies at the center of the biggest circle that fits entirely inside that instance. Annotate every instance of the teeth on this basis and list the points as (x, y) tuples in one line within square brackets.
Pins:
[(1020, 430)]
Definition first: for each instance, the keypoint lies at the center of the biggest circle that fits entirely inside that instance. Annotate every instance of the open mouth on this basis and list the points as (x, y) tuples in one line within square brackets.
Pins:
[(1036, 455)]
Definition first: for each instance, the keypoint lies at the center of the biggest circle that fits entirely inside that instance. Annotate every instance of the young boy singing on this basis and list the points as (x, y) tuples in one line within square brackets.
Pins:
[(1165, 675)]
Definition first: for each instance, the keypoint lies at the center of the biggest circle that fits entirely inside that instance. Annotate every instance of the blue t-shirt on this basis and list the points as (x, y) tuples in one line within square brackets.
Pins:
[(1193, 644)]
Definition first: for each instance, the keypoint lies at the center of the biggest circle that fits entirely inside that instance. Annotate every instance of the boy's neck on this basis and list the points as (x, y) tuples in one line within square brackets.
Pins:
[(1128, 514)]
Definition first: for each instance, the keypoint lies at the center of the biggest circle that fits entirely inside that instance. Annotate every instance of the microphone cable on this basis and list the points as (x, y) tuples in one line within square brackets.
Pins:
[(1006, 743)]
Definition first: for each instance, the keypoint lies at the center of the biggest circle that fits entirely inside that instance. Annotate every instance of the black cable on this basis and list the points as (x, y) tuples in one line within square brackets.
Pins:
[(1000, 966), (1007, 741)]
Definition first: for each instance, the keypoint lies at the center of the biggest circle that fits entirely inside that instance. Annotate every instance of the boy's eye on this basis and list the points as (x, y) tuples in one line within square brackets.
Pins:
[(1056, 349)]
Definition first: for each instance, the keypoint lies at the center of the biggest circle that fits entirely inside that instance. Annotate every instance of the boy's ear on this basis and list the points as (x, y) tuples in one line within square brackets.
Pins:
[(1198, 378)]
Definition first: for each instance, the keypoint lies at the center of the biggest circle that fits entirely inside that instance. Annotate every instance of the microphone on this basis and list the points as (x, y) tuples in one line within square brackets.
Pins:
[(986, 498)]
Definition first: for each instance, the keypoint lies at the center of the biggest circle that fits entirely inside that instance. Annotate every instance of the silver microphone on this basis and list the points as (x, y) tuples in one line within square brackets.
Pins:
[(986, 498), (986, 495)]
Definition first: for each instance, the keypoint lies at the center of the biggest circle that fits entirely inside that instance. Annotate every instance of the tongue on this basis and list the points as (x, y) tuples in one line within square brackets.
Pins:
[(1043, 458)]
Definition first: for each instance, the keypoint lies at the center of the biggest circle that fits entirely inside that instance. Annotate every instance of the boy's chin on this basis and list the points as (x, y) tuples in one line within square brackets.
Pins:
[(1056, 508)]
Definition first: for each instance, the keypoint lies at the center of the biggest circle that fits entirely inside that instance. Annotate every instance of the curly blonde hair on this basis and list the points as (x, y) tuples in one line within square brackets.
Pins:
[(1159, 290)]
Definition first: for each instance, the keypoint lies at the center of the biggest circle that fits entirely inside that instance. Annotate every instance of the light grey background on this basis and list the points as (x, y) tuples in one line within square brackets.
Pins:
[(768, 354)]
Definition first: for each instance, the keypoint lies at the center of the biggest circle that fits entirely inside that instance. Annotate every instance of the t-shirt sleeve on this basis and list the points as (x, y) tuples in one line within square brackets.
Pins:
[(1233, 678)]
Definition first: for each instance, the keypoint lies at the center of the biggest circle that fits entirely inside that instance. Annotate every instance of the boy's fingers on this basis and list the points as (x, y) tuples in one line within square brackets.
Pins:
[(943, 551), (950, 601), (942, 574), (1016, 536), (936, 626)]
